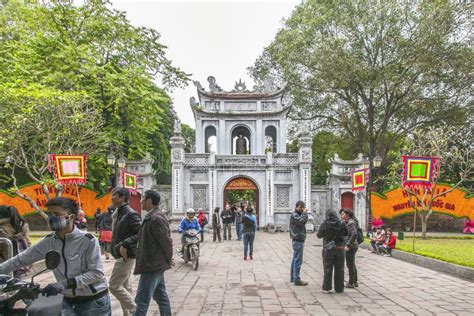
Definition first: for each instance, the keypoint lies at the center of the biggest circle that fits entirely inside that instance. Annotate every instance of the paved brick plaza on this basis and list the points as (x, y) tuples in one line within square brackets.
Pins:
[(225, 284)]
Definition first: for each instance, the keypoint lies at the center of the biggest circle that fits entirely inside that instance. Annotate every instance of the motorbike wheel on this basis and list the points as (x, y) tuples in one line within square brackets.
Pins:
[(195, 258)]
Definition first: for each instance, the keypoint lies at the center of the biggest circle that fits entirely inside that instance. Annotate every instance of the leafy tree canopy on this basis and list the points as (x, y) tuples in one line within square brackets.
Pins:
[(93, 51), (373, 70)]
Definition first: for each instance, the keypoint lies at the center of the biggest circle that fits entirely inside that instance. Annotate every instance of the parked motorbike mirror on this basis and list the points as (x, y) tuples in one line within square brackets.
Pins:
[(53, 258)]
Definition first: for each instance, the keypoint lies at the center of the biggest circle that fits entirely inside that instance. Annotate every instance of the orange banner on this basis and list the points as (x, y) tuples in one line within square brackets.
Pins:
[(396, 202), (88, 198)]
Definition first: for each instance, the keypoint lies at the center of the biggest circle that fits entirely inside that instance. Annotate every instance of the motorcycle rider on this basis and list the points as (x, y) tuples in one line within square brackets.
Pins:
[(188, 222), (80, 274)]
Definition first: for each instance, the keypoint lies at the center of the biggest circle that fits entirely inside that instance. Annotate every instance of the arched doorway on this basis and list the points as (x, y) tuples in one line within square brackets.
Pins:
[(242, 189), (347, 200)]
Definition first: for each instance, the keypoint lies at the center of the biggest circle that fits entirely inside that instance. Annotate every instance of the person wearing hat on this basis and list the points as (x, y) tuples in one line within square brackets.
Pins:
[(188, 222), (352, 246)]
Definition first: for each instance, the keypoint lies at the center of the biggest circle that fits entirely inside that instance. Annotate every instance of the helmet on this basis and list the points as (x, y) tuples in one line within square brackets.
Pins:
[(190, 212)]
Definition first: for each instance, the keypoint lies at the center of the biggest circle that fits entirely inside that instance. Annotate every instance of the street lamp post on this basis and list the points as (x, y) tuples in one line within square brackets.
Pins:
[(117, 164), (371, 166)]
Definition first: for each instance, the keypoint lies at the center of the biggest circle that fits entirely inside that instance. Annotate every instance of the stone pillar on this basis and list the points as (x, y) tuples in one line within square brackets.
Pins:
[(200, 147), (222, 138), (212, 185), (269, 188), (177, 161), (282, 137), (304, 161), (260, 135)]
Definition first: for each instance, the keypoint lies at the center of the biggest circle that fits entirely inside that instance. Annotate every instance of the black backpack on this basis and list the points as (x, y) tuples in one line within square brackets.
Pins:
[(360, 235)]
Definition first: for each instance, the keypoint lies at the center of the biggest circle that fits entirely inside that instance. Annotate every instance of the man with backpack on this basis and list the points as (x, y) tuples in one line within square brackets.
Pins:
[(352, 244)]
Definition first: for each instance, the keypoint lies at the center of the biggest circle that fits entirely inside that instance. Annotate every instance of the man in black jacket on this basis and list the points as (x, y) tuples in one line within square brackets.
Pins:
[(125, 227), (333, 231), (298, 236), (155, 256), (227, 217)]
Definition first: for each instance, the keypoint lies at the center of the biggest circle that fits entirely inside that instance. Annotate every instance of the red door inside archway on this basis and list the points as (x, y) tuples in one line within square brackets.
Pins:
[(242, 186), (347, 200)]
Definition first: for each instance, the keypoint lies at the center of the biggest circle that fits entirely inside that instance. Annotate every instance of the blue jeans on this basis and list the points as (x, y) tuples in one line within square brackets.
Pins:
[(238, 229), (297, 261), (97, 307), (248, 243), (152, 284)]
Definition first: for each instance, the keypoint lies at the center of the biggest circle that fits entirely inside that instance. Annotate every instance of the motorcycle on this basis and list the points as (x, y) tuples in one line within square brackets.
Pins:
[(191, 248), (13, 289)]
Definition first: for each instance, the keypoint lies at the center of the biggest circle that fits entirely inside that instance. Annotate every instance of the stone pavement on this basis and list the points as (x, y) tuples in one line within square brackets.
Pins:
[(225, 284)]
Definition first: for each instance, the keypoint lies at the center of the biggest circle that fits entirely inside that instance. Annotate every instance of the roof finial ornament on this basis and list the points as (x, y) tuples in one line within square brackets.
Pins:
[(213, 87), (192, 102), (198, 85), (240, 86)]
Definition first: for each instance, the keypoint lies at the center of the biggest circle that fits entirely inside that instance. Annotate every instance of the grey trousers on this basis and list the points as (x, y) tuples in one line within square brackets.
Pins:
[(120, 284)]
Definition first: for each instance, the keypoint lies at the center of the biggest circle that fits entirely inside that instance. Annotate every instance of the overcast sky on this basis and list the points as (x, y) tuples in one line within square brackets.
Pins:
[(218, 38)]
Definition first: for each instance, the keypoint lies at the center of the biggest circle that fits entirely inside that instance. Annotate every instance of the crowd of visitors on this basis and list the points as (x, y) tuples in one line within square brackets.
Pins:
[(127, 237)]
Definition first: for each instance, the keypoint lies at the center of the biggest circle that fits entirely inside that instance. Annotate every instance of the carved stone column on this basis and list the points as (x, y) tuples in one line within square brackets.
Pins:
[(269, 187), (304, 161), (212, 184), (177, 161)]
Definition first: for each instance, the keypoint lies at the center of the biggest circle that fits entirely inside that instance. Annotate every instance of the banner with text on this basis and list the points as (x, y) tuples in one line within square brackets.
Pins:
[(396, 202), (89, 199)]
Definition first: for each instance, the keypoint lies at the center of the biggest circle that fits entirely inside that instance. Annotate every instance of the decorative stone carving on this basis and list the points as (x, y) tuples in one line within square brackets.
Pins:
[(213, 106), (240, 87), (283, 196), (177, 127), (241, 106), (199, 197), (213, 87), (176, 154), (306, 155), (240, 161), (269, 106), (193, 102), (198, 85), (196, 159)]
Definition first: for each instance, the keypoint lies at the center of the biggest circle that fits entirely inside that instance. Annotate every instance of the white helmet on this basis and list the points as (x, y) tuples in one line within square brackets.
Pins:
[(190, 212)]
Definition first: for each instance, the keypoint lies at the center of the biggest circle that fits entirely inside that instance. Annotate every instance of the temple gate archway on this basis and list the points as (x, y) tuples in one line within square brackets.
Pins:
[(243, 189)]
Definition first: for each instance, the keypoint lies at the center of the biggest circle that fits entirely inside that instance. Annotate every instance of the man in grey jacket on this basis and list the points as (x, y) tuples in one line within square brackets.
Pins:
[(80, 275)]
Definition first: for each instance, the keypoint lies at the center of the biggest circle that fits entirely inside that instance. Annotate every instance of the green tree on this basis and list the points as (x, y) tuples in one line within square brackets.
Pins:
[(93, 50), (325, 145), (453, 146), (189, 138), (373, 70), (37, 121)]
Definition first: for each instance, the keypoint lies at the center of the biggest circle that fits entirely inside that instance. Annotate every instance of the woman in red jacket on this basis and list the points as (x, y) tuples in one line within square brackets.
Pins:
[(202, 220), (389, 244)]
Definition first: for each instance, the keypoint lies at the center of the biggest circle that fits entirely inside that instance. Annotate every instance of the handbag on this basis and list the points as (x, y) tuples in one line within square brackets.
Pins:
[(329, 245)]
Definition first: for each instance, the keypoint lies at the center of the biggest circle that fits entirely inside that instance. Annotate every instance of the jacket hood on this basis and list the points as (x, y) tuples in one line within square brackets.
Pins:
[(332, 220)]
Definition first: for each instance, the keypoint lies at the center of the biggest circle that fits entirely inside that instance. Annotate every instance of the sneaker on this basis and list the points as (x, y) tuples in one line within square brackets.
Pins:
[(245, 258), (251, 257), (356, 285), (302, 283), (325, 292), (351, 286), (386, 255)]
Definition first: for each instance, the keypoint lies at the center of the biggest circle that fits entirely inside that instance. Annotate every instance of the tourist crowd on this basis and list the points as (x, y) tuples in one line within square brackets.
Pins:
[(128, 238)]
